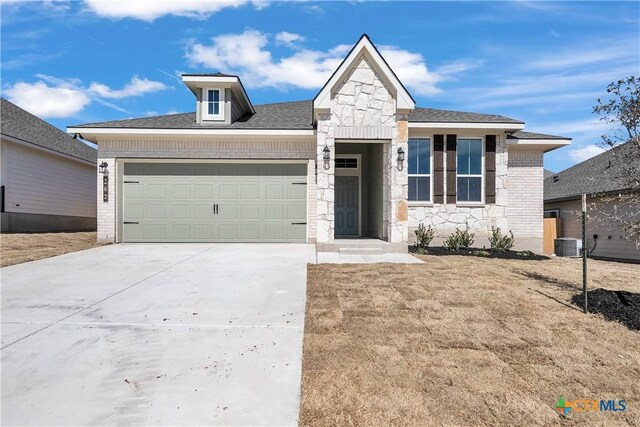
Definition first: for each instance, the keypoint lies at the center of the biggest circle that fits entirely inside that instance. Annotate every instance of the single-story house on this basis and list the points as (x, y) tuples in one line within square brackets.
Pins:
[(359, 160), (47, 178), (598, 178)]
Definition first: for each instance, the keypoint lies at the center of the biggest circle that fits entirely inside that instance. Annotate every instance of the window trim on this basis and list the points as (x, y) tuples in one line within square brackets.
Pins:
[(482, 173), (205, 104), (421, 175)]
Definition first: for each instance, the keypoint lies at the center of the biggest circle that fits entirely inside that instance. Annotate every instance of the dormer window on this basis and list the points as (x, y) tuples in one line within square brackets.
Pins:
[(213, 104)]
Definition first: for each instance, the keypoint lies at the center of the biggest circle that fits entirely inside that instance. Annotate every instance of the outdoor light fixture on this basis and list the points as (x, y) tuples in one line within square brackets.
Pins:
[(103, 167), (326, 153), (400, 157)]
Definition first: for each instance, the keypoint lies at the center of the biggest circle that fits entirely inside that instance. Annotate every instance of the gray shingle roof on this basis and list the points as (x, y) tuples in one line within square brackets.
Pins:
[(433, 115), (283, 115), (20, 124), (287, 115), (532, 135), (595, 175), (547, 173)]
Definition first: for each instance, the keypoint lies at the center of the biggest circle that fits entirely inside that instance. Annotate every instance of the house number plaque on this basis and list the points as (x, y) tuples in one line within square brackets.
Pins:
[(105, 188)]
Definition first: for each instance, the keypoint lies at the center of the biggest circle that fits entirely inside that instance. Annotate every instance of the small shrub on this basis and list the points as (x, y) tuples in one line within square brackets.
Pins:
[(482, 253), (460, 239), (424, 236), (500, 243)]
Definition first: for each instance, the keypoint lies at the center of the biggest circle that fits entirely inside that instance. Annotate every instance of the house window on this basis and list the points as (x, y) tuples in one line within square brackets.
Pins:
[(213, 104), (419, 169), (346, 163), (470, 153)]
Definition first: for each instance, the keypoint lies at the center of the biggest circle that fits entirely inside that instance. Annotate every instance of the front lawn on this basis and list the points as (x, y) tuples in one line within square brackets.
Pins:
[(464, 340), (23, 247)]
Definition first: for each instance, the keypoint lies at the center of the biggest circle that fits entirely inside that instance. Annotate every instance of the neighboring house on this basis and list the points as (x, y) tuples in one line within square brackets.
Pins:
[(359, 160), (47, 178), (595, 177)]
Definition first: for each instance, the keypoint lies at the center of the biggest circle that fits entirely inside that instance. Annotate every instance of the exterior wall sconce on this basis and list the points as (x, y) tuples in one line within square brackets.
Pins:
[(103, 167), (400, 158), (326, 156)]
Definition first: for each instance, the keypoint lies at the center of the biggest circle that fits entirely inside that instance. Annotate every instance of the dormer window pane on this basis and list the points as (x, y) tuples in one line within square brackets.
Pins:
[(213, 101)]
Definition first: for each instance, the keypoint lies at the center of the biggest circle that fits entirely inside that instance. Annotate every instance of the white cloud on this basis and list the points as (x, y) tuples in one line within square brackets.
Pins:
[(288, 39), (581, 154), (47, 101), (248, 55), (149, 10), (135, 87)]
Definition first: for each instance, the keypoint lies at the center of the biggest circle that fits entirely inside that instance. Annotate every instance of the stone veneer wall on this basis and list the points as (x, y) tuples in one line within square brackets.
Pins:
[(445, 218), (111, 151), (518, 207), (363, 108)]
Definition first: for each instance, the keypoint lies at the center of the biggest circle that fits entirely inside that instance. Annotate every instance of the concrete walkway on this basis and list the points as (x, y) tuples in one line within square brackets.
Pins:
[(140, 334), (338, 258)]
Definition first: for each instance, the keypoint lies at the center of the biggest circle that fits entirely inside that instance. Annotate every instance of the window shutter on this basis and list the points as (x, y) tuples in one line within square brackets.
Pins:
[(438, 168), (452, 160), (490, 169)]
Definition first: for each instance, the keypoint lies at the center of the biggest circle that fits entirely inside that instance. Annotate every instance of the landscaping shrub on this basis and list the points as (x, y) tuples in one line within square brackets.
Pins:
[(424, 236), (460, 239), (499, 242)]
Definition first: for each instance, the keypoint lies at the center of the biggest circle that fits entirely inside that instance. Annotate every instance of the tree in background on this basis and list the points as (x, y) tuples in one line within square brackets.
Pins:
[(621, 110)]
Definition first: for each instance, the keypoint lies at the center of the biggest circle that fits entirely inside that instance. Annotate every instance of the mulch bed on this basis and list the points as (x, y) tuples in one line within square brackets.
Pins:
[(484, 253), (618, 306)]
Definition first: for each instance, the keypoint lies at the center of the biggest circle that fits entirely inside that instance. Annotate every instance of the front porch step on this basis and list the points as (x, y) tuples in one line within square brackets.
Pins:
[(362, 246), (361, 251)]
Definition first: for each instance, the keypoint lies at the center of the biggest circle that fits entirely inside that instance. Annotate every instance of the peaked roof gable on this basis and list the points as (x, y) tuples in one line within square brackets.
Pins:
[(364, 46)]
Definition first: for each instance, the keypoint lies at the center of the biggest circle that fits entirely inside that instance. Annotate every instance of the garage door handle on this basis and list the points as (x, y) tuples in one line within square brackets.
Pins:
[(298, 223), (131, 222), (132, 182), (215, 209), (298, 183)]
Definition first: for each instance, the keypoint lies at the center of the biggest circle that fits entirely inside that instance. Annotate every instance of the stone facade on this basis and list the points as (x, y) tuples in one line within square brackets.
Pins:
[(363, 108), (445, 218), (518, 207)]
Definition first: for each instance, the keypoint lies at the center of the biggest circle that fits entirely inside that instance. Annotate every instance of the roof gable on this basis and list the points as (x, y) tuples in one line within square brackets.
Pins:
[(365, 48)]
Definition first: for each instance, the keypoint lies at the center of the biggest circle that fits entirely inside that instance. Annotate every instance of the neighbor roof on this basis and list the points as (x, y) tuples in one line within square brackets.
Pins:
[(593, 176), (533, 135), (425, 115), (24, 126), (287, 115)]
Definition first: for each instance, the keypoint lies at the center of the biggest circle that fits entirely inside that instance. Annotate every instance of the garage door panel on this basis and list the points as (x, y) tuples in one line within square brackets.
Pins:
[(250, 212), (156, 211), (175, 202), (228, 191), (155, 191), (180, 211), (203, 191), (274, 212), (274, 192), (250, 191)]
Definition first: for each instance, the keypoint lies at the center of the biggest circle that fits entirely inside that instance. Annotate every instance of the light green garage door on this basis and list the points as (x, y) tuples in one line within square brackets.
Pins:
[(223, 202)]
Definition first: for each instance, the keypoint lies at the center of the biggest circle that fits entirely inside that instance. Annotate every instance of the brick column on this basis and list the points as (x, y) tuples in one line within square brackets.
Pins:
[(398, 184), (106, 211)]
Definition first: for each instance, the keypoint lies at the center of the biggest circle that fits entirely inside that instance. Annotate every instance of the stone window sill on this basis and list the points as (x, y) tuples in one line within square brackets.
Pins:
[(420, 204), (470, 205)]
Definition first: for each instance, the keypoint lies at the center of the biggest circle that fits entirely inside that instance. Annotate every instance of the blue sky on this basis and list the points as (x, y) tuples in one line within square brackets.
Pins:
[(546, 63)]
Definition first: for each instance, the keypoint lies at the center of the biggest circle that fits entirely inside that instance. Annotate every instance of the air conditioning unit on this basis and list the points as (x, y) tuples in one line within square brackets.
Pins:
[(567, 246)]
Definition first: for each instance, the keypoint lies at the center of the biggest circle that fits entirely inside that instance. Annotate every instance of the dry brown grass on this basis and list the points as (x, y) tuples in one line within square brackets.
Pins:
[(19, 248), (464, 341)]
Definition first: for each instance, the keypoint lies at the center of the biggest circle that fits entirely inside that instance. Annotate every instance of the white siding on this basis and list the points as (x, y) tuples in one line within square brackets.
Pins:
[(611, 239), (39, 182)]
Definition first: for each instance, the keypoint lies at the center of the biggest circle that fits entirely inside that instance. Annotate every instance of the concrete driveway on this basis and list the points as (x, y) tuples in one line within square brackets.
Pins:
[(181, 334)]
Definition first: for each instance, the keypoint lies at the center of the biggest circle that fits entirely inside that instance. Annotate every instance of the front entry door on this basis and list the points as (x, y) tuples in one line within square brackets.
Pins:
[(346, 206)]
